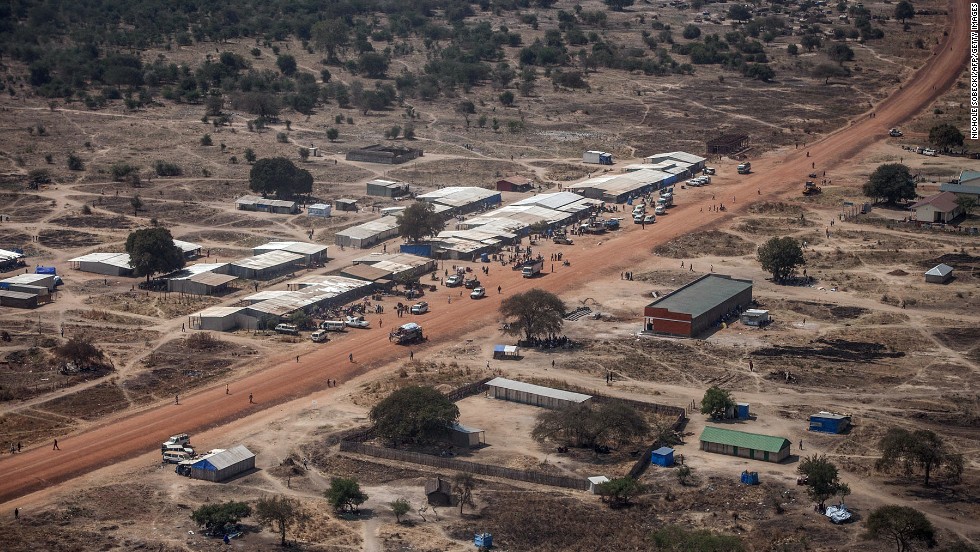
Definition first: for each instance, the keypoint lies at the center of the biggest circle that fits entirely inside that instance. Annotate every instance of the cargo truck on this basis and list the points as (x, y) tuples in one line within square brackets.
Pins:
[(532, 268), (407, 333)]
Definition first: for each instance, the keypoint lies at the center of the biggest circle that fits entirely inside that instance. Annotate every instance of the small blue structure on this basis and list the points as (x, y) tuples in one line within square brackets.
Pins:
[(750, 478), (743, 411), (45, 270), (484, 257), (483, 540), (663, 456), (420, 249), (828, 422)]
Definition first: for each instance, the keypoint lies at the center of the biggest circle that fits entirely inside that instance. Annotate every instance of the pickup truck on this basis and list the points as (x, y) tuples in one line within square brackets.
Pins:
[(530, 269), (357, 322), (454, 280)]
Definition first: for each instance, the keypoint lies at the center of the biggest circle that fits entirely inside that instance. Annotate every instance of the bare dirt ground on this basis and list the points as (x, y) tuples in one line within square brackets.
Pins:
[(845, 341)]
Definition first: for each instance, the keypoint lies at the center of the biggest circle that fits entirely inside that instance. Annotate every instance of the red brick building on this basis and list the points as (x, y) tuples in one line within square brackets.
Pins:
[(697, 306)]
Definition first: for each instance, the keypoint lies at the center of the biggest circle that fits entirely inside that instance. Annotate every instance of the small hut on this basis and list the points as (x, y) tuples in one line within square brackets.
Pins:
[(439, 492)]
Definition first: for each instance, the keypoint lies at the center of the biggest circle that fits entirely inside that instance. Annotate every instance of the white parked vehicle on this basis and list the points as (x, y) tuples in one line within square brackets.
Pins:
[(709, 170), (357, 322), (649, 219), (660, 210), (638, 218), (419, 308), (454, 280), (929, 151), (288, 329), (478, 293), (175, 457), (333, 325), (319, 336)]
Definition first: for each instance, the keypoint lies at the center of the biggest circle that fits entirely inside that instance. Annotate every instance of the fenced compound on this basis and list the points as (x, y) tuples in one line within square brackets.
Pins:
[(353, 440), (464, 466), (727, 143)]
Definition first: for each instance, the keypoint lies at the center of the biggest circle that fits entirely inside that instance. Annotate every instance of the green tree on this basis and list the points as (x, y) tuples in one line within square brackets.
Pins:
[(780, 257), (793, 50), (507, 98), (419, 221), (37, 177), (215, 518), (137, 204), (716, 401), (332, 134), (249, 155), (945, 136), (618, 5), (684, 474), (330, 35), (414, 414), (206, 140), (618, 492), (827, 71), (373, 65), (840, 53), (810, 41), (739, 12), (80, 351), (399, 507), (281, 512), (75, 162), (345, 495), (279, 176), (923, 449), (891, 182), (612, 424), (213, 105), (394, 132), (902, 525), (287, 64), (691, 32), (534, 313), (152, 251), (674, 538), (463, 485), (822, 481), (904, 10), (304, 153), (967, 203)]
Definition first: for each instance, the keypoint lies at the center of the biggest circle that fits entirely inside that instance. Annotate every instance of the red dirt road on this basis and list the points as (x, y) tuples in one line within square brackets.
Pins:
[(136, 433)]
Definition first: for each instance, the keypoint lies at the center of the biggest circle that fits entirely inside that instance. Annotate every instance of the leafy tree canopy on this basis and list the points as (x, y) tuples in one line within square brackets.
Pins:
[(345, 495), (80, 351), (279, 176), (534, 313), (152, 251), (618, 492), (945, 136), (822, 481), (414, 414), (901, 525), (612, 424), (419, 221), (675, 538), (739, 12), (716, 401), (891, 182), (215, 518), (917, 450), (281, 512), (904, 10), (780, 257)]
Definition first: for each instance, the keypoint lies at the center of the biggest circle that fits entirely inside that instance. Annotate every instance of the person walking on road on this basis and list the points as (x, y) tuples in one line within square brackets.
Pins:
[(250, 401), (55, 447), (350, 357), (176, 399), (498, 290)]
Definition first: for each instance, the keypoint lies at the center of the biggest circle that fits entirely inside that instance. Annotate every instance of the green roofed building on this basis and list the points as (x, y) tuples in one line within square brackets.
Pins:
[(746, 445)]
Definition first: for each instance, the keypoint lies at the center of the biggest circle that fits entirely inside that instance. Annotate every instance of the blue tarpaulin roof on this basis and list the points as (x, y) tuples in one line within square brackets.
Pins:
[(663, 451)]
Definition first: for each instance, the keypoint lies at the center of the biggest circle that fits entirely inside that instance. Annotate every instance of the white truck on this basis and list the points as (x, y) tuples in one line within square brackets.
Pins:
[(407, 333), (744, 168), (530, 269)]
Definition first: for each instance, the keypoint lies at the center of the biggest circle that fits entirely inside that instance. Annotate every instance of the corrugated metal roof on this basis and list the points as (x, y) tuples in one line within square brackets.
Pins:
[(367, 272), (743, 439), (538, 390), (256, 200), (223, 459), (6, 255), (683, 156), (458, 196), (190, 271), (829, 416), (16, 294), (555, 200), (212, 278), (120, 260), (218, 312), (939, 270), (187, 247), (945, 201), (302, 248), (27, 279), (701, 295), (966, 189), (456, 426), (370, 228), (268, 260), (405, 259), (387, 183)]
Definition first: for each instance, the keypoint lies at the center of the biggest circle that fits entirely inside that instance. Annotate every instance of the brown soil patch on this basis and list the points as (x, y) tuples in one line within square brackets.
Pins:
[(32, 425), (104, 316), (898, 272), (461, 172), (820, 311), (21, 207), (152, 304), (69, 239), (95, 220), (768, 226), (714, 243), (89, 404), (564, 172)]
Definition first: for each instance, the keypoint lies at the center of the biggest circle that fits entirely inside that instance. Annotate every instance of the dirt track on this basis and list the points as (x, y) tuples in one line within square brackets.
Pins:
[(286, 379)]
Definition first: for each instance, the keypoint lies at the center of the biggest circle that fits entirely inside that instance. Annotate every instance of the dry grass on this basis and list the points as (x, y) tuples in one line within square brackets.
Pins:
[(713, 243)]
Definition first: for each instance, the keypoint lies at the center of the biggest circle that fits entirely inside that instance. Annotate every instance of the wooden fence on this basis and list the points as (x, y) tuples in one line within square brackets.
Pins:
[(467, 390), (463, 466)]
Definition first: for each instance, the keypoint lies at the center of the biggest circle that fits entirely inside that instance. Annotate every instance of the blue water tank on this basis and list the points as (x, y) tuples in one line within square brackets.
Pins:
[(483, 540)]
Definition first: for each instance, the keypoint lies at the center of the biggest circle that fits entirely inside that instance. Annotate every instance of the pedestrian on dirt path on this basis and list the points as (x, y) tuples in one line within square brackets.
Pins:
[(411, 355), (499, 290), (297, 358), (751, 367), (350, 357), (227, 390), (801, 444), (552, 363), (176, 399), (250, 401), (18, 446), (808, 154), (16, 513), (55, 447)]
